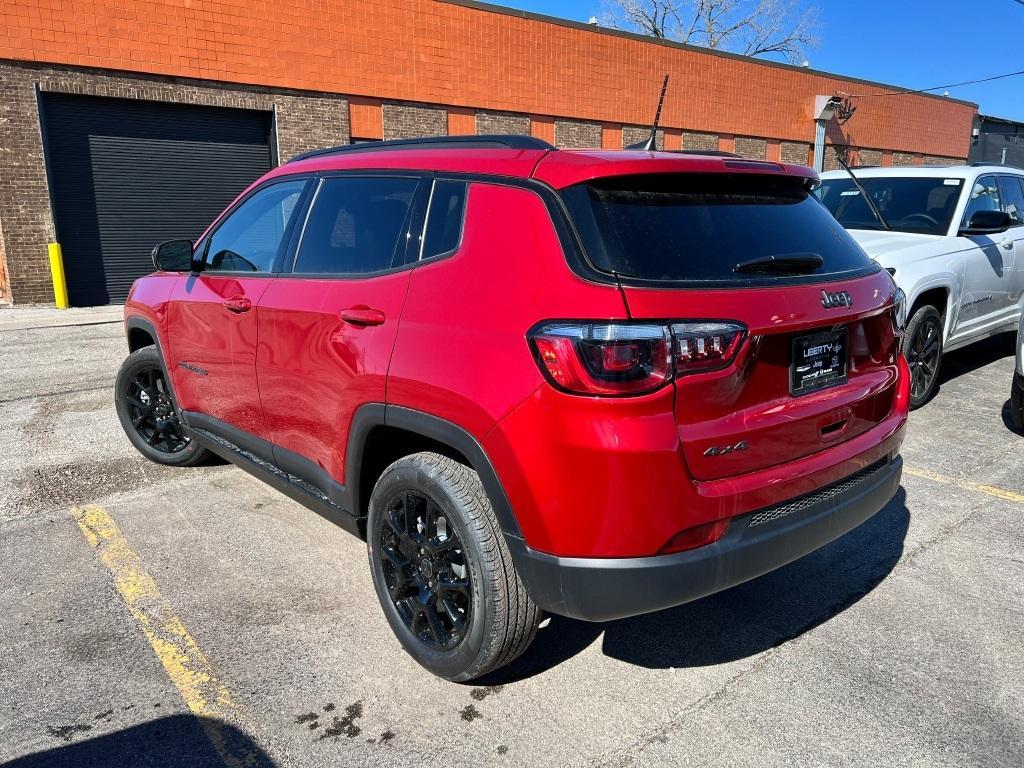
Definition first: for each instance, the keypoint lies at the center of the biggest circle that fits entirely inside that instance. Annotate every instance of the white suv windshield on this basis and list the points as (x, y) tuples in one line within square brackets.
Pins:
[(920, 205)]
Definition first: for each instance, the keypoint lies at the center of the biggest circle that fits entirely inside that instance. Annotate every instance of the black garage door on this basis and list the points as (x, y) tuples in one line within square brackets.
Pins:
[(126, 174)]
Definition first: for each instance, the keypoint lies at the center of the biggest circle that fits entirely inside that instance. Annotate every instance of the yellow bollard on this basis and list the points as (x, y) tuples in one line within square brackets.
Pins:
[(60, 285)]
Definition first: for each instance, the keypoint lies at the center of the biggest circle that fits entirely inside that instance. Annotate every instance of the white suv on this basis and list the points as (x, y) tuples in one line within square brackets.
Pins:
[(953, 239), (1017, 390)]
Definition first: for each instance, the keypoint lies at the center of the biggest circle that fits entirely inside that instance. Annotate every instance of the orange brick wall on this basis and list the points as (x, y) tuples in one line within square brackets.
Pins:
[(461, 121), (444, 52), (366, 118), (543, 128)]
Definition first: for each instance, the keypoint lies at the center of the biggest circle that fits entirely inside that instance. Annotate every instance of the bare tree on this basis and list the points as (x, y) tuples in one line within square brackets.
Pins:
[(783, 28)]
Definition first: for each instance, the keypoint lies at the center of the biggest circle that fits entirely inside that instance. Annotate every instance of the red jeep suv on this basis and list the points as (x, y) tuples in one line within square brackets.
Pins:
[(595, 383)]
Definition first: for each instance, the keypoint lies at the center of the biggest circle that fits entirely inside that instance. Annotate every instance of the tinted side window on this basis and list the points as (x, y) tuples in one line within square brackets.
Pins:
[(984, 197), (1013, 198), (357, 225), (249, 238), (444, 220)]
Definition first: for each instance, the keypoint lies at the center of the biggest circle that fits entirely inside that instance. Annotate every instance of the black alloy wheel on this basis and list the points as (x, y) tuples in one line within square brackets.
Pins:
[(425, 570), (148, 412), (442, 570), (923, 350), (152, 413)]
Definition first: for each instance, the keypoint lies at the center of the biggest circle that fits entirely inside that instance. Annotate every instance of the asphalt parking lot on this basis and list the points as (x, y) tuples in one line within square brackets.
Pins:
[(154, 616)]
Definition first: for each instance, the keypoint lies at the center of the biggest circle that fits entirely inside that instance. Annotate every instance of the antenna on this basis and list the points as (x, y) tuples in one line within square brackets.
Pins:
[(652, 140)]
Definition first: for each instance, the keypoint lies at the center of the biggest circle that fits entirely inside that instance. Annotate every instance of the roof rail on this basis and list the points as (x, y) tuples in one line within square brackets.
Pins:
[(707, 152), (487, 141)]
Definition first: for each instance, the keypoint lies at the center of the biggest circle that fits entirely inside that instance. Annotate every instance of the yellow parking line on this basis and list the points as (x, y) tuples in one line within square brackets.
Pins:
[(991, 490), (184, 662)]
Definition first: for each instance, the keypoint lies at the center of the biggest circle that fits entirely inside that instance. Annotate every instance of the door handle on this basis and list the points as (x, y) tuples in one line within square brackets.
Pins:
[(362, 316), (238, 304)]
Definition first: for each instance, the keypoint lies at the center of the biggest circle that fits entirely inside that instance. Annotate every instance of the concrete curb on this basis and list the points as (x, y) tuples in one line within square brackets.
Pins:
[(30, 317)]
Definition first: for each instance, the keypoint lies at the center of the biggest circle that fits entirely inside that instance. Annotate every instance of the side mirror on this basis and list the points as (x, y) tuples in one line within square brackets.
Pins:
[(174, 256), (987, 223)]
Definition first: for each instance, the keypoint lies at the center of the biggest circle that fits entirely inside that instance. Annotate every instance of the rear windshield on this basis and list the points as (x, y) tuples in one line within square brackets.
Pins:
[(699, 227), (921, 205)]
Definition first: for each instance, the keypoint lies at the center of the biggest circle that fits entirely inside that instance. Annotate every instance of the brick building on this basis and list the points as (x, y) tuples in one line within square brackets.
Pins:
[(146, 117)]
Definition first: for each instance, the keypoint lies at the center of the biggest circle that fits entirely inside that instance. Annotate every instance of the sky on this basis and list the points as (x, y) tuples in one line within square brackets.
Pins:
[(907, 43)]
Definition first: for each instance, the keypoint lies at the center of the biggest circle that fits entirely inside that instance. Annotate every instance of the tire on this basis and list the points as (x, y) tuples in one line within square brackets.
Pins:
[(483, 618), (922, 346), (148, 413), (1017, 402)]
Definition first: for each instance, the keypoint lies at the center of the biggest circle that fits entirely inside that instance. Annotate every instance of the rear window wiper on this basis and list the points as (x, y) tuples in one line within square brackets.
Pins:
[(785, 263)]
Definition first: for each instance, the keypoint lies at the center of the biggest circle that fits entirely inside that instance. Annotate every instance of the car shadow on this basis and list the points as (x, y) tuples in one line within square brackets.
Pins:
[(1007, 415), (178, 741), (977, 355), (740, 622)]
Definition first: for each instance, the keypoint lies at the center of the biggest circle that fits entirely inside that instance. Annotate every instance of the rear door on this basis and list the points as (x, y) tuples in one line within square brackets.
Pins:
[(1011, 188), (212, 325), (988, 264), (327, 328), (816, 363)]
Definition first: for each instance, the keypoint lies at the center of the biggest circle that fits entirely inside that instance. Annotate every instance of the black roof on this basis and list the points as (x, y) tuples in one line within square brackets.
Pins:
[(488, 141)]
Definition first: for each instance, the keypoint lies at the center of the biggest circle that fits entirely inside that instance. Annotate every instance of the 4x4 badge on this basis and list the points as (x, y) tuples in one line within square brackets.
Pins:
[(719, 451), (831, 300)]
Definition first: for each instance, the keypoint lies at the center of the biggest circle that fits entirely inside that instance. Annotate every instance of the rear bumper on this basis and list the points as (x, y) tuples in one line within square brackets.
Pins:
[(602, 589)]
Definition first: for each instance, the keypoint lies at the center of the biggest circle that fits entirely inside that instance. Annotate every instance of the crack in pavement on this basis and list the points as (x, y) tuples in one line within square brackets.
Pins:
[(619, 758), (109, 384)]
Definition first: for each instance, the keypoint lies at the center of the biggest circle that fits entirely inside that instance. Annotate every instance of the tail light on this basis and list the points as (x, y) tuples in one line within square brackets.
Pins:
[(705, 346), (604, 358), (899, 311), (627, 358)]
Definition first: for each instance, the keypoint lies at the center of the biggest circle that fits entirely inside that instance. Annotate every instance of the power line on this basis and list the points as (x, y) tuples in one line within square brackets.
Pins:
[(941, 87)]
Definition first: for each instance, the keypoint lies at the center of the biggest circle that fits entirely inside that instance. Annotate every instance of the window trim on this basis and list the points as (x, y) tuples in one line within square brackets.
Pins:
[(318, 184), (572, 248), (426, 221), (203, 247), (1020, 181), (970, 191), (568, 238), (1009, 179), (414, 222)]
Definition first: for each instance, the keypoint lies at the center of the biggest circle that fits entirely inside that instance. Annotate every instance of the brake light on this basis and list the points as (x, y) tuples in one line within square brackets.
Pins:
[(628, 358), (604, 358), (899, 312)]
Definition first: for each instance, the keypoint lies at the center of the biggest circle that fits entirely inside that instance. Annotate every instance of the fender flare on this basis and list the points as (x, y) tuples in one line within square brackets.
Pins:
[(373, 415), (949, 282), (138, 323)]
